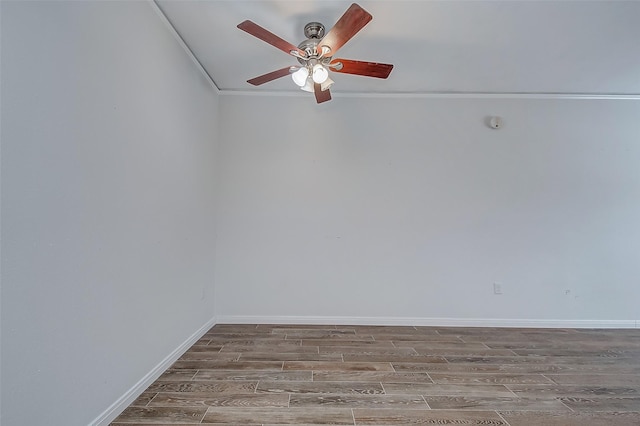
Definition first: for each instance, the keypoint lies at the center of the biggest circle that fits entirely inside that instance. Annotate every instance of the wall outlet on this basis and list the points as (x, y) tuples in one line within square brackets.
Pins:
[(497, 288)]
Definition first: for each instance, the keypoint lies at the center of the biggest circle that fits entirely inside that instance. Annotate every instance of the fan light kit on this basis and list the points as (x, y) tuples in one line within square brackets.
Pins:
[(315, 54)]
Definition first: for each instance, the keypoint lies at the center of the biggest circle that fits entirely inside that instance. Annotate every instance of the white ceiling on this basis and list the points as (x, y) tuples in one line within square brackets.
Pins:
[(512, 47)]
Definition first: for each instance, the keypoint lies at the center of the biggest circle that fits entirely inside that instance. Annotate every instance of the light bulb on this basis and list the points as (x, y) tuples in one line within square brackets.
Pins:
[(300, 76), (320, 74)]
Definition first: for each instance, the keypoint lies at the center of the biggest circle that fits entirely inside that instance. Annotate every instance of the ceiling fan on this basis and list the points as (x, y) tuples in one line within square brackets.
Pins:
[(315, 54)]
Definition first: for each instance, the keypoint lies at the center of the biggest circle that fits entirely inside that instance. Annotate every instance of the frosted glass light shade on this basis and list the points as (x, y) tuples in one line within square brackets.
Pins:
[(320, 74), (327, 84), (300, 77), (308, 86)]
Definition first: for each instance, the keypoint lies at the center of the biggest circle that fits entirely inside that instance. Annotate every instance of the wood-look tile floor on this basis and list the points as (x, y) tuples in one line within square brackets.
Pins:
[(369, 375)]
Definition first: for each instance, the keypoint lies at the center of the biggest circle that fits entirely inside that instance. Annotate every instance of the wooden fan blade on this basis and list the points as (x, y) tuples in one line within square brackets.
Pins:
[(267, 36), (265, 78), (321, 95), (353, 20), (368, 69)]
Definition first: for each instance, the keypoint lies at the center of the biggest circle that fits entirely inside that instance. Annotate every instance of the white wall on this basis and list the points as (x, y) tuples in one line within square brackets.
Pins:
[(108, 137), (408, 210)]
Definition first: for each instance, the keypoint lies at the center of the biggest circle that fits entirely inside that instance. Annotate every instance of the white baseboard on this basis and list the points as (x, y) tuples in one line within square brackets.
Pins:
[(432, 322), (125, 400)]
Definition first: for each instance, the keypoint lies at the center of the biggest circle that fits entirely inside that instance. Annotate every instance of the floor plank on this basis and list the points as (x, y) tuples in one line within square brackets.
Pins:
[(436, 417), (353, 401), (207, 399), (293, 416), (349, 387), (529, 418)]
